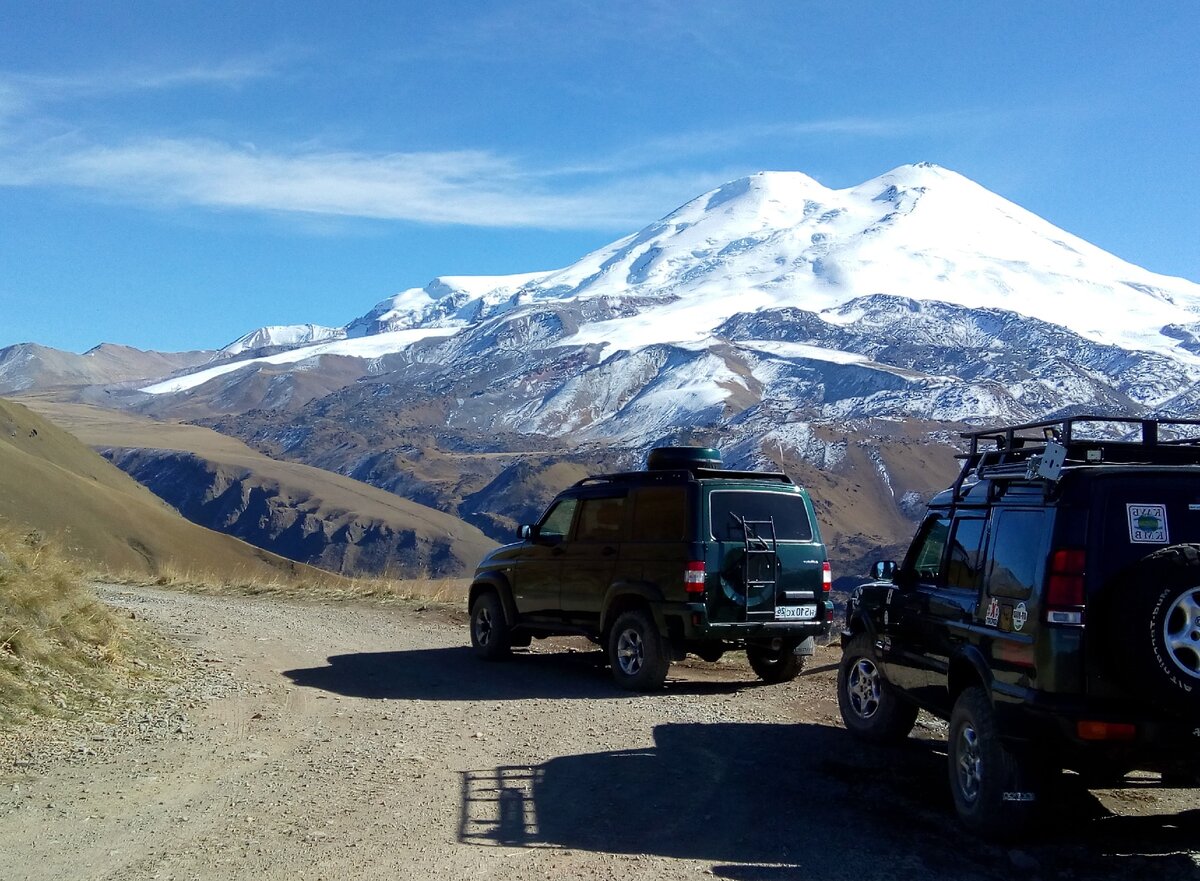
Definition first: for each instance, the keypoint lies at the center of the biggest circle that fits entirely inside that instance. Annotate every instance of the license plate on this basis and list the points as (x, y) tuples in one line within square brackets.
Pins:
[(795, 613)]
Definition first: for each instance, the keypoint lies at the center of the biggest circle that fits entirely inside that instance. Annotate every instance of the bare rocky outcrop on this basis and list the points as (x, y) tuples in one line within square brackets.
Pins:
[(296, 524)]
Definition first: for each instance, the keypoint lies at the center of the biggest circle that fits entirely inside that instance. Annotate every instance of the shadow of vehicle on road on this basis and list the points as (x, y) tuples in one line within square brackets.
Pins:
[(796, 801), (455, 674)]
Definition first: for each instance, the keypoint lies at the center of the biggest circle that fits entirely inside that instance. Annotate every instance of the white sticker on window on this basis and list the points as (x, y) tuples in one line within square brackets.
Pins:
[(1148, 524)]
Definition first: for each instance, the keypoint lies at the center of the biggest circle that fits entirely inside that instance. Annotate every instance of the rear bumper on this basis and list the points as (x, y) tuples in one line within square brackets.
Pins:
[(1157, 742), (689, 621)]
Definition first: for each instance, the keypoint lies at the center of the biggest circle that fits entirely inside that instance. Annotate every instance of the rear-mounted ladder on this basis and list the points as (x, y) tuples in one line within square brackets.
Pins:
[(760, 564)]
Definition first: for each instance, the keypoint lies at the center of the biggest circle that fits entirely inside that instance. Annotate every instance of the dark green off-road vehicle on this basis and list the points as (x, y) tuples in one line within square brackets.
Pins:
[(685, 557), (1049, 608)]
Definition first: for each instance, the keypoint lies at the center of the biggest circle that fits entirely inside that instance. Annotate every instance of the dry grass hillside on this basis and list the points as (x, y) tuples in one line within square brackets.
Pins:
[(61, 649), (301, 512), (53, 485)]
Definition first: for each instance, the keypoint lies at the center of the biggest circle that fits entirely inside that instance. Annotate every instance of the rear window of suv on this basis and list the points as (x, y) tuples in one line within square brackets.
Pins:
[(728, 508)]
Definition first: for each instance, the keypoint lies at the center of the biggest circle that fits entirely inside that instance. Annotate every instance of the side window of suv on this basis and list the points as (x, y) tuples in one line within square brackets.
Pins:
[(557, 522), (1018, 553), (660, 513), (601, 519), (927, 561), (963, 561)]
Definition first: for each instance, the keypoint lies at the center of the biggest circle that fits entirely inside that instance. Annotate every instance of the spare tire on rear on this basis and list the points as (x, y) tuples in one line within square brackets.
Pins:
[(1154, 616)]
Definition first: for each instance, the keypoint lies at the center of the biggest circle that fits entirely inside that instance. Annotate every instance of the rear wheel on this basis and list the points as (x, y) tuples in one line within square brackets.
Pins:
[(489, 627), (639, 655), (869, 705), (995, 789), (775, 665)]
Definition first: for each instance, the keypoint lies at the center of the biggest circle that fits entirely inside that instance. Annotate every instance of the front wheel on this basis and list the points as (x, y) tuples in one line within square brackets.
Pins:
[(639, 655), (995, 789), (869, 704), (489, 627), (774, 665)]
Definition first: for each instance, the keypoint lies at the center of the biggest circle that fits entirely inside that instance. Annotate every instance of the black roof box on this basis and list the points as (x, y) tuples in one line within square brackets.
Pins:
[(683, 458)]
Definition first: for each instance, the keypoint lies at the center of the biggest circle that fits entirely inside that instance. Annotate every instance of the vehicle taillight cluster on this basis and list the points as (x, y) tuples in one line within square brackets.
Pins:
[(693, 577), (1065, 596)]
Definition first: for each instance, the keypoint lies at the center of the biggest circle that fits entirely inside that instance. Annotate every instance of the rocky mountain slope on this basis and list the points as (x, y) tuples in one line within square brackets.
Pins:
[(29, 367)]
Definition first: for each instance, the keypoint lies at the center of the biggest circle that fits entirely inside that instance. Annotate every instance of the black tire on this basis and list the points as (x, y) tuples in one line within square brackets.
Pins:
[(638, 653), (1154, 615), (489, 627), (870, 707), (774, 665), (995, 789)]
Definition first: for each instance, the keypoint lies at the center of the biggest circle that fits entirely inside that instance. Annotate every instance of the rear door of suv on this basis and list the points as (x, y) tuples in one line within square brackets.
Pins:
[(768, 554), (589, 556)]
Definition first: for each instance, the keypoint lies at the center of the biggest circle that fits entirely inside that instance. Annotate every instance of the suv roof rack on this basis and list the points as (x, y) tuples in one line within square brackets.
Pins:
[(684, 476), (1039, 450)]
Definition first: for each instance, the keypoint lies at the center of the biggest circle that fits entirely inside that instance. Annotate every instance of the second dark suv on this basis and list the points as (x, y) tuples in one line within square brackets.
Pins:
[(1049, 608), (685, 557)]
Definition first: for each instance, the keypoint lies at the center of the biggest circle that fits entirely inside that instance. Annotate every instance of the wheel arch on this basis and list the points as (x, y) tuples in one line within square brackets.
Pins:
[(496, 583), (628, 595), (968, 668), (857, 622)]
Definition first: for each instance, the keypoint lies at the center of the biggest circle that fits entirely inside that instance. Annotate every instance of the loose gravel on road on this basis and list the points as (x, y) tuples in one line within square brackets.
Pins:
[(304, 740)]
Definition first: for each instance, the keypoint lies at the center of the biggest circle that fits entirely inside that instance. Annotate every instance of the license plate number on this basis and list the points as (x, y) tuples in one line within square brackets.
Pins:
[(795, 613)]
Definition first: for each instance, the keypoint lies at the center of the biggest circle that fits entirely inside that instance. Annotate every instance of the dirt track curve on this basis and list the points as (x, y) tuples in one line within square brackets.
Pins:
[(348, 742)]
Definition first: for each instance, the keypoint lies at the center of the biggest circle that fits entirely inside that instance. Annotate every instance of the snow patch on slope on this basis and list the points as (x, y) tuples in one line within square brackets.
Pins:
[(364, 347)]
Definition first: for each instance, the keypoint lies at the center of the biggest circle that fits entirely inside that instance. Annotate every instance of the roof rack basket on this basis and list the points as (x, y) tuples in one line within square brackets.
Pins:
[(1039, 450)]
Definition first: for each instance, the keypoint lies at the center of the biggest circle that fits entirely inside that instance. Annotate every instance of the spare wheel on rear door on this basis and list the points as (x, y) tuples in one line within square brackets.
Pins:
[(1155, 619)]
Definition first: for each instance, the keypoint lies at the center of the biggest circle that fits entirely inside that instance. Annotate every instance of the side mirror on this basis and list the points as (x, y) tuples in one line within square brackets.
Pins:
[(884, 570), (527, 532)]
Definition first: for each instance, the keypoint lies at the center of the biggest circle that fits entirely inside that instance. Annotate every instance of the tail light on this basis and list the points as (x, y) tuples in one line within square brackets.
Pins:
[(1065, 596), (693, 577), (826, 578), (1091, 730)]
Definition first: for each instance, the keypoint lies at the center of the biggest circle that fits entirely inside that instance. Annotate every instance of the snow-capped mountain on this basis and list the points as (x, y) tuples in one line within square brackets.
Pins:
[(834, 333), (918, 293), (281, 336)]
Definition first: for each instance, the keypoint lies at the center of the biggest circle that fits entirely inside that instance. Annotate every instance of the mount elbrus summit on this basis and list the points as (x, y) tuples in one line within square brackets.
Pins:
[(835, 333)]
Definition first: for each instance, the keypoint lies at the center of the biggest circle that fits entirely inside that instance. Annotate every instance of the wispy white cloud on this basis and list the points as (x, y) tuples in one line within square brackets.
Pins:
[(464, 187), (32, 89), (473, 188)]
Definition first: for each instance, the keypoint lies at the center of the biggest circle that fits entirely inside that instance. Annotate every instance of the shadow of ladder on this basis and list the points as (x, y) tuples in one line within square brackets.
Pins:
[(498, 808)]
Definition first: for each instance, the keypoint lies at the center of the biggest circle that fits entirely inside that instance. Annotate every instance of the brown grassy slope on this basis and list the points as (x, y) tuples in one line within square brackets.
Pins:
[(53, 484), (331, 501), (60, 648)]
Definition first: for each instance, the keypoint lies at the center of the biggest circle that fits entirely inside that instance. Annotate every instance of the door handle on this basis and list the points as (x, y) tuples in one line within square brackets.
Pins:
[(609, 551)]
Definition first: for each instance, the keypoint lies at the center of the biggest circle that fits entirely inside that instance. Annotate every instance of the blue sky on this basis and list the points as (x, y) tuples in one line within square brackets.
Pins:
[(173, 174)]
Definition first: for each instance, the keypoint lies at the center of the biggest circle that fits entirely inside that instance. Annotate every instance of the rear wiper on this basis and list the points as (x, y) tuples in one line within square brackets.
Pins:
[(749, 532)]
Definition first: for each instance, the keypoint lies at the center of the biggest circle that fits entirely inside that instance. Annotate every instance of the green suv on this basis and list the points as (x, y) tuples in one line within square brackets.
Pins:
[(1049, 608), (684, 557)]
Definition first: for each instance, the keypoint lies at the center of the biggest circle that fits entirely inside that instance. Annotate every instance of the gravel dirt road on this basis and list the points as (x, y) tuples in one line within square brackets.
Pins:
[(322, 741)]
